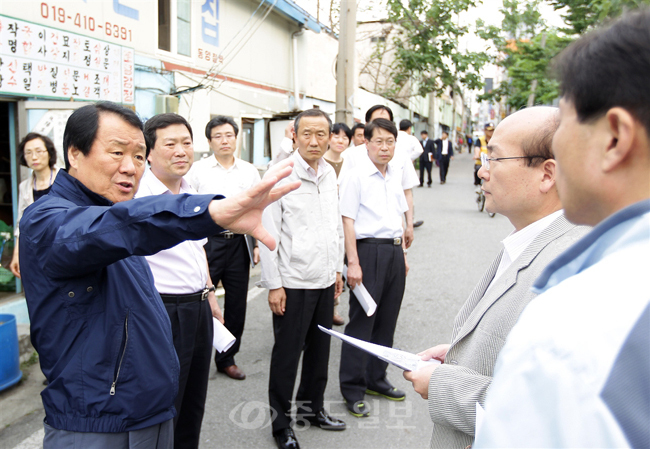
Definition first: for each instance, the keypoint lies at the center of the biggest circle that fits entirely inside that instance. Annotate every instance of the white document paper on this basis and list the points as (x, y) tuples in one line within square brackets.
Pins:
[(401, 359), (222, 339), (480, 414), (361, 293)]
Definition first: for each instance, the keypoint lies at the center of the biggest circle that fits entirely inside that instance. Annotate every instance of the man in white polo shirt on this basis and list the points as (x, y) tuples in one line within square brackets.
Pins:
[(401, 163), (372, 204), (228, 255), (181, 276)]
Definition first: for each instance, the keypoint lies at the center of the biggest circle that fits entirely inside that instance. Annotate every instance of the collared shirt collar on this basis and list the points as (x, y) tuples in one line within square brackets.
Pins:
[(314, 176), (369, 168), (157, 187), (592, 247), (74, 188), (216, 163), (517, 242)]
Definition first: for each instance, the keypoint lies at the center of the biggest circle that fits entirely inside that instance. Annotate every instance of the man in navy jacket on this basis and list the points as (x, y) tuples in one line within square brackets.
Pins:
[(97, 321)]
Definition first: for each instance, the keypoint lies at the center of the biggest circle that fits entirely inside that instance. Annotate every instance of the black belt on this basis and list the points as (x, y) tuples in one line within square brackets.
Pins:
[(228, 235), (175, 299), (397, 241)]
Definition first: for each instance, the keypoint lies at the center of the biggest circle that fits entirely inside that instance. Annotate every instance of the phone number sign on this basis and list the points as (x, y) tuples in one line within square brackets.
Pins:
[(40, 61)]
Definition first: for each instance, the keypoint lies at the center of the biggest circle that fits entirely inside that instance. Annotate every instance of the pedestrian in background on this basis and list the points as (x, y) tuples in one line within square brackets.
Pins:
[(372, 204), (37, 152), (303, 275), (445, 154), (426, 158), (228, 253)]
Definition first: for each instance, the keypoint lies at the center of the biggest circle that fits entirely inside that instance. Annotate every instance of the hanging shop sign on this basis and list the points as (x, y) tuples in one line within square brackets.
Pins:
[(40, 61)]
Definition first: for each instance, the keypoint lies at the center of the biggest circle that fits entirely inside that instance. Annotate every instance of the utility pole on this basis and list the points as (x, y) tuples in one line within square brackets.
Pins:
[(345, 63)]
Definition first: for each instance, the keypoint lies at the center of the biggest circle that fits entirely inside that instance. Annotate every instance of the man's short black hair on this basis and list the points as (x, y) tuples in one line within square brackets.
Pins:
[(379, 123), (81, 128), (312, 113), (609, 67), (376, 108), (49, 146), (357, 126), (405, 124), (162, 121), (424, 131), (220, 120), (342, 127)]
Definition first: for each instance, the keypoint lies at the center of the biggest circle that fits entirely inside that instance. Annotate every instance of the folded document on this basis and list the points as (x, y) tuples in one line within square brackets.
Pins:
[(401, 359)]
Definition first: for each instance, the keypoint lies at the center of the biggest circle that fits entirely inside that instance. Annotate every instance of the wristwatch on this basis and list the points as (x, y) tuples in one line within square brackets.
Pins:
[(212, 288)]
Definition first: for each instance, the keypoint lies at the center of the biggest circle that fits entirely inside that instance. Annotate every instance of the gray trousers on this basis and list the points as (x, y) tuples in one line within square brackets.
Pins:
[(160, 436)]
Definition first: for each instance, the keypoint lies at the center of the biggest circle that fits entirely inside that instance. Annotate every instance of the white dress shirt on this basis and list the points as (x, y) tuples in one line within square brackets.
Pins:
[(375, 203), (210, 177), (401, 164), (408, 144), (517, 242), (445, 147), (182, 269)]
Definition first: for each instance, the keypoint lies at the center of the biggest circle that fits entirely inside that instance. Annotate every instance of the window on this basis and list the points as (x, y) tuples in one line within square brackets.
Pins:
[(183, 31), (247, 140), (378, 39), (164, 29), (174, 35)]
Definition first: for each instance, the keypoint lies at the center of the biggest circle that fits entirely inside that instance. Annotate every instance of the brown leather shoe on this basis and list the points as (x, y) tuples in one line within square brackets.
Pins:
[(338, 320), (233, 371)]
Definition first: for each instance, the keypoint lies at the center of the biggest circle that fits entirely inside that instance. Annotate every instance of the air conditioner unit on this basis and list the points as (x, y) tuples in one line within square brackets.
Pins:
[(166, 103)]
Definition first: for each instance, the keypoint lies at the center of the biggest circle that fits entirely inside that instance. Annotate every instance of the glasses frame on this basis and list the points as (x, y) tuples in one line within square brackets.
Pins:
[(485, 160), (39, 152)]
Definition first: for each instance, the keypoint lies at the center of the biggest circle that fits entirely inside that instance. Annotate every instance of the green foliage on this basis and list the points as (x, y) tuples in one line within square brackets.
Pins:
[(527, 60), (426, 46), (519, 42), (580, 15)]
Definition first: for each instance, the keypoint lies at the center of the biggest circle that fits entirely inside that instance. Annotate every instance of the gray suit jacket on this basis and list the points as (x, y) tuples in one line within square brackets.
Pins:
[(480, 331)]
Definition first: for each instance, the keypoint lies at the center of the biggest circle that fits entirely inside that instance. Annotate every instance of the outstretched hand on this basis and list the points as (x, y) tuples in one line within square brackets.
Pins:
[(242, 213)]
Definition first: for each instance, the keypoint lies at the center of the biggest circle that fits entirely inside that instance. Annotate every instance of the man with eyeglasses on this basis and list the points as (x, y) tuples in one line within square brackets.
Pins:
[(574, 371), (228, 255), (519, 174), (372, 204)]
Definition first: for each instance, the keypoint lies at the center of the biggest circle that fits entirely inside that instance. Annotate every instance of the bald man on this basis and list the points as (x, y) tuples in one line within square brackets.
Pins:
[(518, 175)]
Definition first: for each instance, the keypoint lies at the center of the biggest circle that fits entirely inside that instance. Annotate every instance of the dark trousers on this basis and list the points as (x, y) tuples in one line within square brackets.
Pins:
[(444, 167), (229, 263), (477, 180), (384, 276), (425, 165), (192, 332), (159, 436), (294, 331)]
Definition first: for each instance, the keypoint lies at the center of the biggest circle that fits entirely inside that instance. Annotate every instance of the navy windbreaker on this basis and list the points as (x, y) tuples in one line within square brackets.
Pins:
[(101, 331)]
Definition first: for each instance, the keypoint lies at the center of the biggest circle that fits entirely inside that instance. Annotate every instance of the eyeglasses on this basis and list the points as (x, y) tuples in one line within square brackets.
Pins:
[(380, 143), (485, 161), (37, 152)]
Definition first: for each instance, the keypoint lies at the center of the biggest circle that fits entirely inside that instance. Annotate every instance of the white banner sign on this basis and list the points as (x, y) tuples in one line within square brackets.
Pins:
[(40, 61)]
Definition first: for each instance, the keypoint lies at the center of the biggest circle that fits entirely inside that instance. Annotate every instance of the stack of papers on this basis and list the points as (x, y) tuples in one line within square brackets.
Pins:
[(402, 359)]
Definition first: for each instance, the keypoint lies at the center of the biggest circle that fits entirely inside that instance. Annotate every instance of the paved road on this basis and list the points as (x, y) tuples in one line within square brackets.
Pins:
[(450, 253)]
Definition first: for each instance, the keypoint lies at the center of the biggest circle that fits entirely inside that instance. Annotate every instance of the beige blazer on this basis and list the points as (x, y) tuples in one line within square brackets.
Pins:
[(479, 333)]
